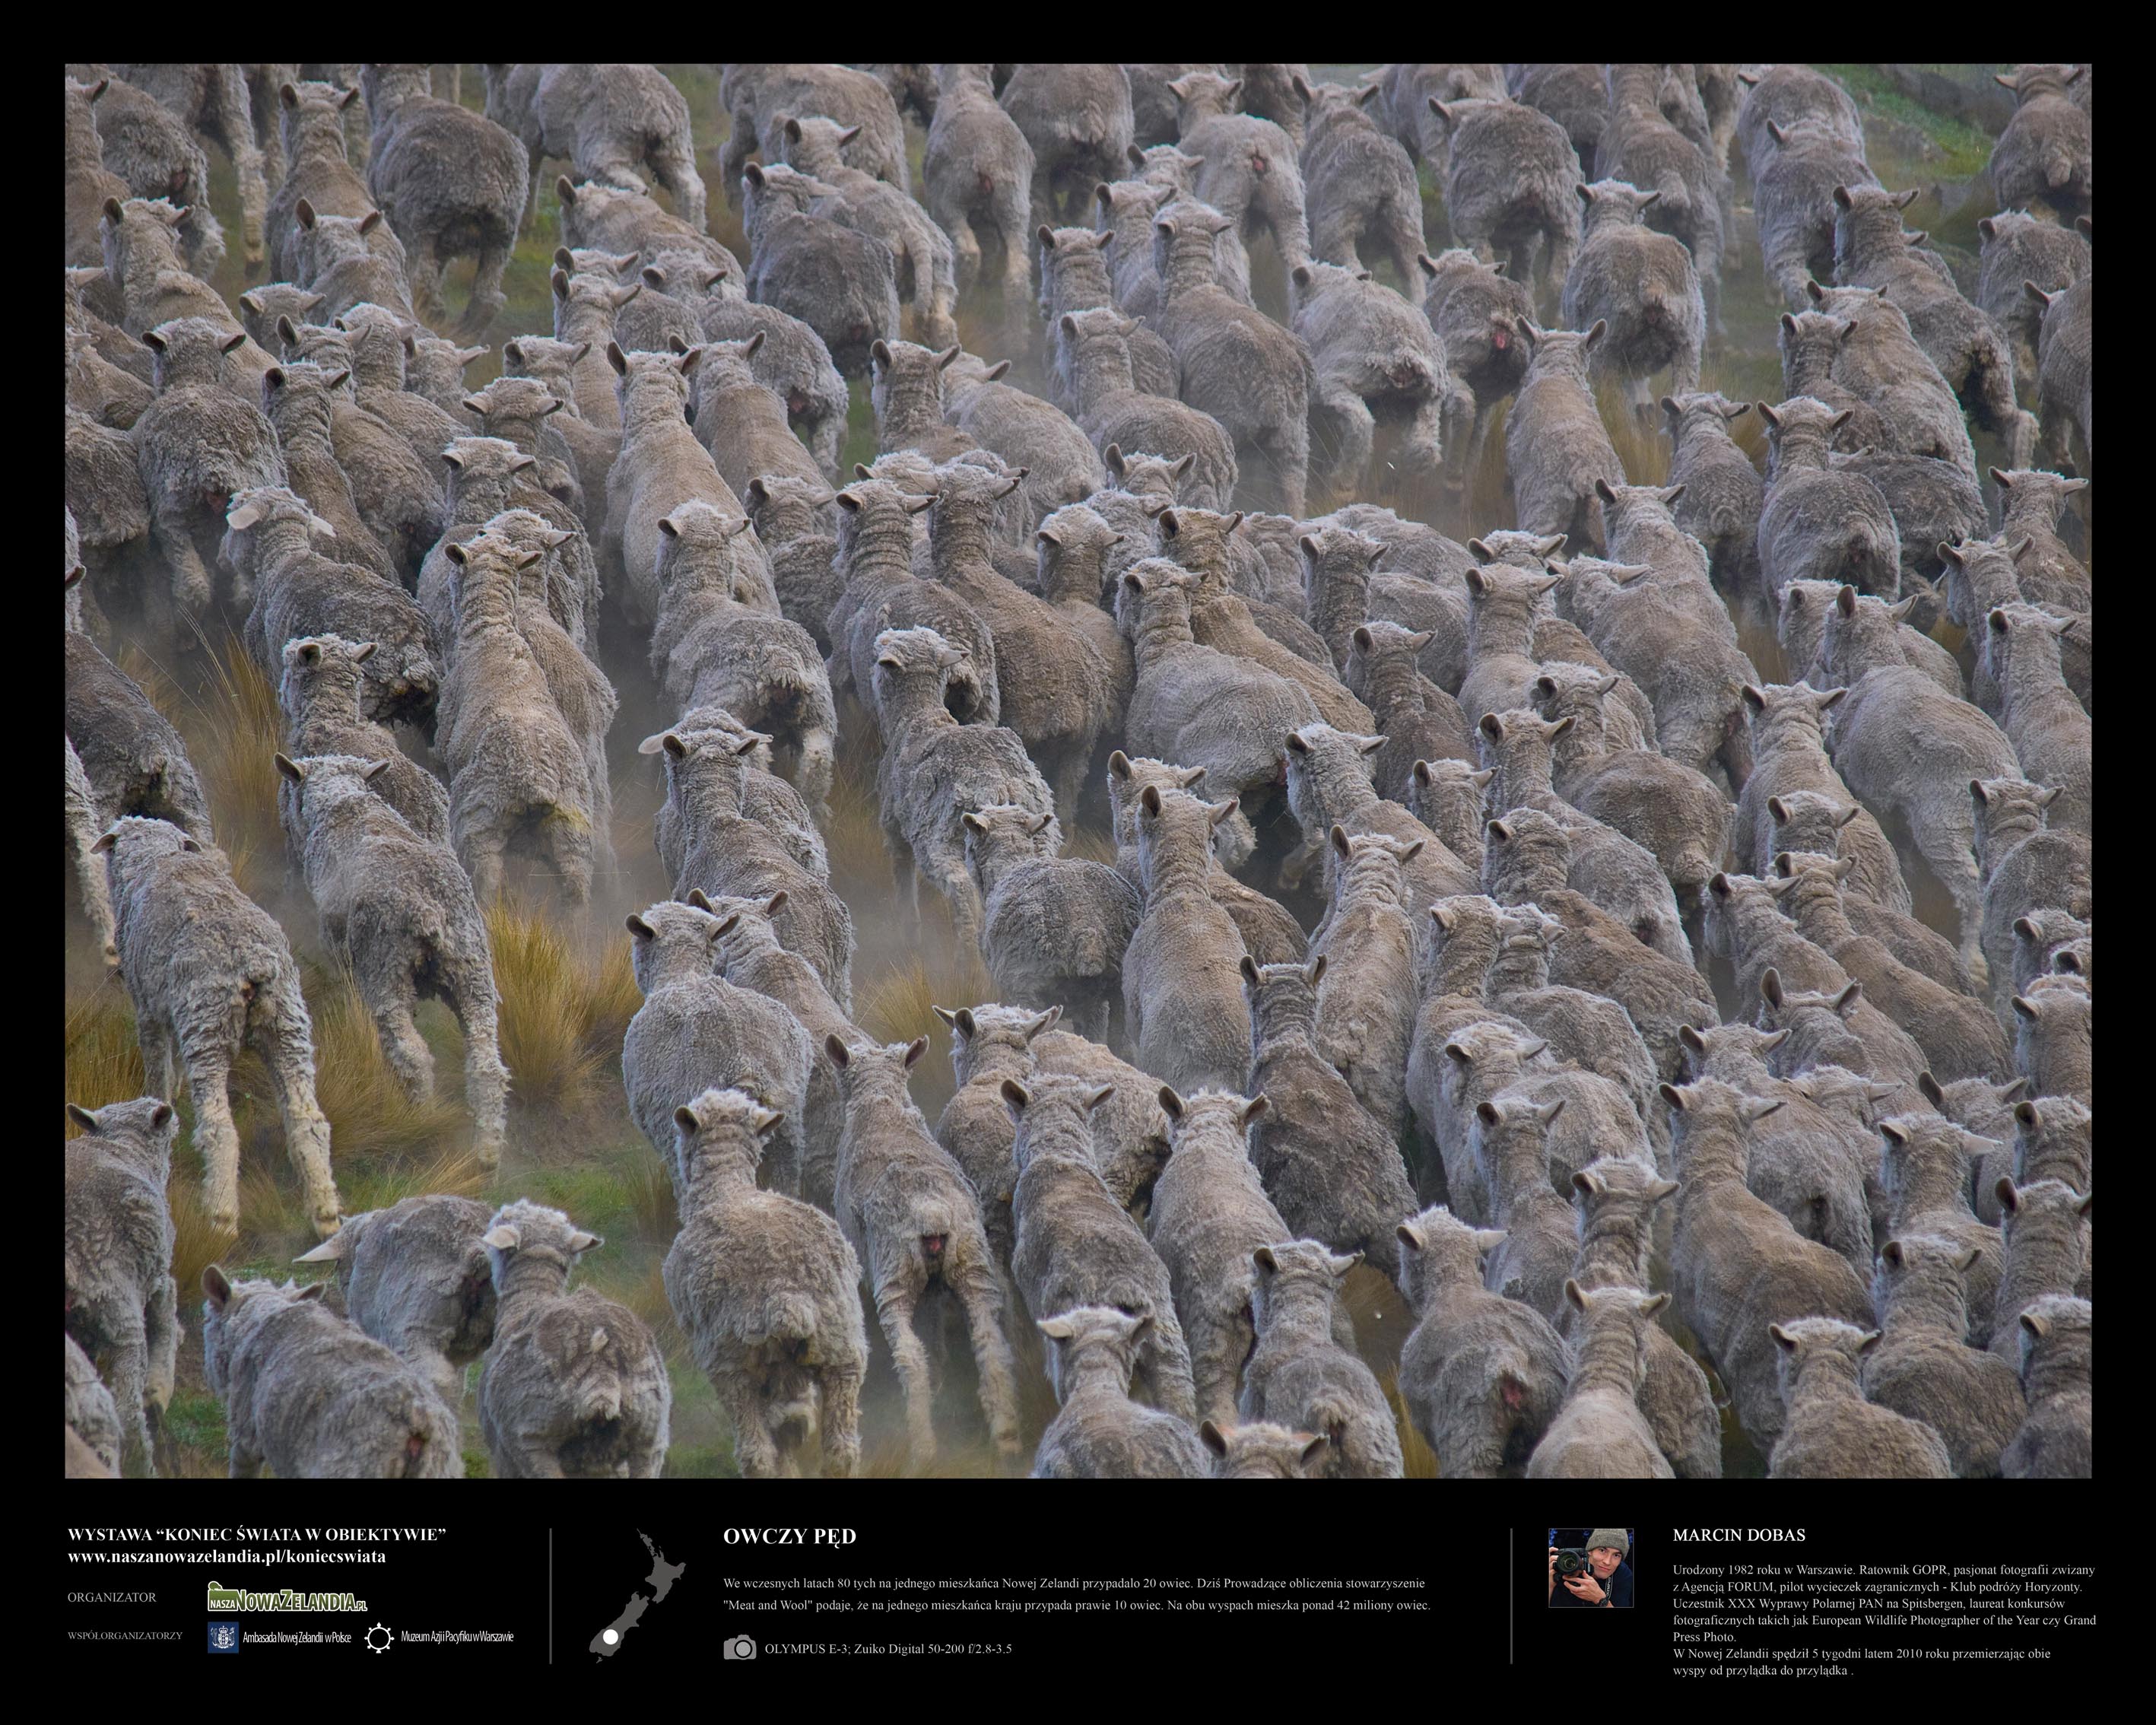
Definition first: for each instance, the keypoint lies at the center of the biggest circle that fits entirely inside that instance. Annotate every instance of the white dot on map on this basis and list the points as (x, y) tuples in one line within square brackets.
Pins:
[(612, 1636)]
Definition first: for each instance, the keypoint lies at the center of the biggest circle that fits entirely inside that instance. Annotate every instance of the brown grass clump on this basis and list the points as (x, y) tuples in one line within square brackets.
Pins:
[(853, 835), (896, 1005), (232, 728), (1639, 444), (103, 1061), (370, 1115), (1419, 1460), (564, 1008)]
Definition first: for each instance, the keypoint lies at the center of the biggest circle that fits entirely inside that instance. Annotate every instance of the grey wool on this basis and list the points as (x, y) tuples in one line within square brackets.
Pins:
[(400, 912), (318, 168), (2019, 247), (1723, 494), (1831, 1431), (1259, 1450), (1421, 723), (2032, 504), (914, 1224), (122, 1304), (767, 799), (2057, 1441), (2052, 736), (351, 260), (415, 1276), (2046, 152), (1786, 95), (1130, 1129), (1053, 929), (696, 1031), (1872, 249), (1300, 1376), (1475, 308), (210, 974), (151, 151), (843, 284), (134, 760), (989, 1043), (517, 773), (1793, 178), (1643, 283), (451, 181), (322, 695), (1482, 1376), (312, 1395), (195, 446), (1600, 1433), (1925, 1168), (733, 845), (1373, 352), (1555, 446), (1333, 1170), (790, 517), (1076, 117), (92, 1420), (1328, 785), (926, 260), (1100, 1433), (881, 591), (1074, 551), (1366, 1000), (1446, 796), (1639, 147), (607, 121), (1054, 460), (1210, 1212), (279, 548), (1879, 362), (434, 369), (769, 1292), (82, 827), (1736, 1266), (1249, 170), (575, 1386), (1922, 1365), (1787, 723), (979, 171), (2029, 870), (933, 769), (299, 401), (2054, 1042), (1270, 934), (1570, 94), (757, 95), (1819, 523), (1094, 359), (1183, 1005), (1358, 185)]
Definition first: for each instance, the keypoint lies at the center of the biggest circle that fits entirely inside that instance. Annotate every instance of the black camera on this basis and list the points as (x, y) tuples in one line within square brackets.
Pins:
[(1571, 1562)]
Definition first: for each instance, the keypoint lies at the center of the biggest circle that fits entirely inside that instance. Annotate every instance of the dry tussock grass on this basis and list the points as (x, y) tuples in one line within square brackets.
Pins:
[(1639, 444), (370, 1115), (897, 1004), (565, 1005), (102, 1059)]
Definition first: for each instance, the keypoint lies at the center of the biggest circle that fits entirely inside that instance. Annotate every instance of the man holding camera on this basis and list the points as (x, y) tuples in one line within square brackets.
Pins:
[(1605, 1583)]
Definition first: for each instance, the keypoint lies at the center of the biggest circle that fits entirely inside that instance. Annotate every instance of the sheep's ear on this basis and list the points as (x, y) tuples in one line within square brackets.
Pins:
[(1339, 836), (88, 1121), (1058, 1329), (1015, 1096), (336, 1247), (1046, 1021), (1249, 968), (1209, 1434), (1095, 1098), (1171, 1104), (216, 1286), (1672, 1094), (1149, 800), (617, 358), (1264, 1259), (1847, 1000), (837, 1052), (685, 1117), (1315, 973), (582, 1242), (1783, 1339), (289, 768), (1691, 1038), (1253, 1108), (1215, 813), (637, 926), (914, 1050), (1575, 1294)]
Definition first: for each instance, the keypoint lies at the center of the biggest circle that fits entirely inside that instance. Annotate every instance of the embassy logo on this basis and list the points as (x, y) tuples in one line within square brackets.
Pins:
[(224, 1638)]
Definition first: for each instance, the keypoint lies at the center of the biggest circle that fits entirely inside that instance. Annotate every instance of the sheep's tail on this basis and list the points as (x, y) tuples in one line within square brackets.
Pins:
[(2058, 165), (789, 1321), (598, 1393), (1329, 1415)]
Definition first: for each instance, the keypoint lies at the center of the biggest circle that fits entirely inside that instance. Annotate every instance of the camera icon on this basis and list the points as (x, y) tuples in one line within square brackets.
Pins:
[(738, 1647)]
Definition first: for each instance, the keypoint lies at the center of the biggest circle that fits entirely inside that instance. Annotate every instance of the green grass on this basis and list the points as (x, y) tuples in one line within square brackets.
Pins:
[(1964, 149)]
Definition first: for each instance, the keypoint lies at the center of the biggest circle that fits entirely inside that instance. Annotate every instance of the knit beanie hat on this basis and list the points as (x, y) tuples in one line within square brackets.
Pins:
[(1610, 1536)]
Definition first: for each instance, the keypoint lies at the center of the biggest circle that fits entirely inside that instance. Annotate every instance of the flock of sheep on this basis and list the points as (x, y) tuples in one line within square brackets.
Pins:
[(1481, 910)]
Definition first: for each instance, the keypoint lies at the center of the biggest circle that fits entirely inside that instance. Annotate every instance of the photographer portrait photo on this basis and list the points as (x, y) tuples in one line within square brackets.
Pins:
[(1590, 1568)]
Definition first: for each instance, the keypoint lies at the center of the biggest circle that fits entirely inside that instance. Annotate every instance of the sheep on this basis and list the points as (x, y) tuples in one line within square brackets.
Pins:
[(2051, 735), (1871, 249), (312, 1395), (1510, 1148), (1818, 524), (695, 1029), (789, 514), (925, 257), (1270, 934), (2057, 1441), (1130, 1129), (842, 284), (1078, 121), (519, 411), (318, 169), (515, 769), (1831, 1431), (1810, 824), (1787, 723), (1475, 308), (1737, 1266), (1365, 1013), (1421, 724), (2049, 941), (1074, 551), (1408, 88), (915, 1223), (1053, 929), (1055, 460), (2050, 1240), (405, 922), (488, 476), (1182, 1006), (143, 269), (150, 152), (874, 562), (1801, 630), (1525, 860), (1958, 1037), (351, 260), (1373, 352), (449, 181), (1925, 1169), (2031, 504), (1793, 180), (1249, 170), (1300, 1376), (1075, 277), (196, 446), (2054, 1044), (1786, 95), (606, 119), (1899, 741), (1094, 359), (1555, 446), (414, 1276), (1100, 1433), (1643, 285), (756, 97), (134, 760), (89, 182), (768, 1291), (1486, 1060), (93, 1423), (1510, 171), (82, 829), (1328, 785), (1829, 1028), (989, 1043), (767, 799), (1482, 1376), (2027, 869), (2019, 247), (209, 973), (980, 171), (1571, 95), (1260, 1451), (1988, 1109), (214, 101), (1811, 348), (270, 546), (575, 1386), (1879, 362), (2045, 150), (1210, 1212), (1640, 147), (122, 1304), (1358, 184), (586, 307), (1922, 1367), (1193, 704), (622, 224), (434, 369), (1600, 1432)]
